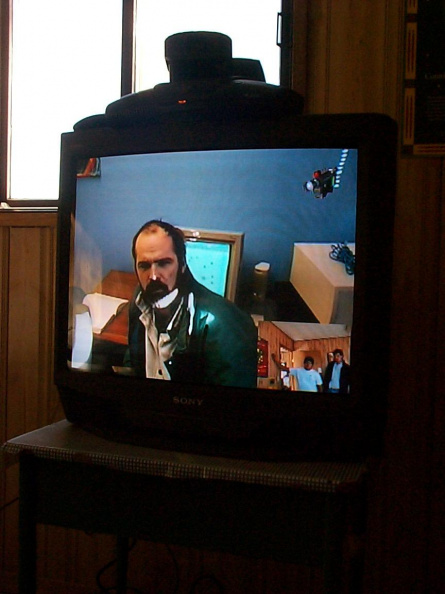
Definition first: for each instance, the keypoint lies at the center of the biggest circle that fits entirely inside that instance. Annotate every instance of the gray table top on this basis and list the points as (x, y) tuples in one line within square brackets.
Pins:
[(64, 441)]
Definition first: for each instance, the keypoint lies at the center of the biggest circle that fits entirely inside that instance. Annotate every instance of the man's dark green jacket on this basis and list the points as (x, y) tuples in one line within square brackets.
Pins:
[(220, 350)]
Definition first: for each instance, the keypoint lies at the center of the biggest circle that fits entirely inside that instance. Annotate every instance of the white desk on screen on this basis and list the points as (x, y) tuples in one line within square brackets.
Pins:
[(323, 283)]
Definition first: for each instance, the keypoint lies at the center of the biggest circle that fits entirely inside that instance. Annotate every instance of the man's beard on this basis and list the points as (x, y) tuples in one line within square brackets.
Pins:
[(154, 291)]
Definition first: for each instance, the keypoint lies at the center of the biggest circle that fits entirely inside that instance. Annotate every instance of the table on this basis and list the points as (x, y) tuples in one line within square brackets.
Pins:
[(117, 284), (323, 283), (292, 512)]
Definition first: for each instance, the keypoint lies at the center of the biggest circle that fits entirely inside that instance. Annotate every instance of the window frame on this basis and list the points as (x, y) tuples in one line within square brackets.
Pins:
[(129, 7)]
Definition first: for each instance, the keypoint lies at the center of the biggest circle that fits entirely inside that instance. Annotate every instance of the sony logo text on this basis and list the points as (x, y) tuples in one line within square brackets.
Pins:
[(188, 401)]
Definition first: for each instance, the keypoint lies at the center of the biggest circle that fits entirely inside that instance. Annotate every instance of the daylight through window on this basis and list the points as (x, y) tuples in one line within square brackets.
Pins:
[(66, 64)]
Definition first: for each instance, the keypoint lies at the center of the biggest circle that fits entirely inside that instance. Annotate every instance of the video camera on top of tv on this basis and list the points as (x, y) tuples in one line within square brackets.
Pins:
[(206, 82)]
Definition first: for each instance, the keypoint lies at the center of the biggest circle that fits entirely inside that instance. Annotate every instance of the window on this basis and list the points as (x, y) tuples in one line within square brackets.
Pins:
[(65, 60), (251, 24), (64, 69)]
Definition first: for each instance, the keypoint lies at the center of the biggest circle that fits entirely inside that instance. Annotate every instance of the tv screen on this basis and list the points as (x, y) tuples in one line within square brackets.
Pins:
[(224, 286)]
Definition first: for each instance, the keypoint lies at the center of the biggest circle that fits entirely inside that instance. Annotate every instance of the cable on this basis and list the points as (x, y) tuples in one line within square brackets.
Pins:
[(176, 566), (342, 253), (210, 578), (106, 567), (100, 574), (113, 562), (6, 505)]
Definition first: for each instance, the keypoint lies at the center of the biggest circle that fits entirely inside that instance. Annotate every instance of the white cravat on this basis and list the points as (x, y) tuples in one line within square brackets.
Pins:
[(160, 346)]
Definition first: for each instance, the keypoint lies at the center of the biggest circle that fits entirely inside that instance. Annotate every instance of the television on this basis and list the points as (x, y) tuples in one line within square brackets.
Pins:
[(285, 220)]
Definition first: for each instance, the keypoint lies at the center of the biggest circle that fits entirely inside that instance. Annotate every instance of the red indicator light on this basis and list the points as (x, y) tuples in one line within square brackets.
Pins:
[(182, 101)]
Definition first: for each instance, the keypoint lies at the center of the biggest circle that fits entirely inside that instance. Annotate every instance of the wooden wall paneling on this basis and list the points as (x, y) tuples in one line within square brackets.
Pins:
[(28, 396), (436, 541), (352, 56), (405, 487), (416, 264), (276, 339), (51, 564), (68, 562), (30, 328), (83, 556), (4, 300), (23, 330), (9, 529), (392, 72), (402, 542), (8, 478), (325, 346), (318, 56), (355, 63)]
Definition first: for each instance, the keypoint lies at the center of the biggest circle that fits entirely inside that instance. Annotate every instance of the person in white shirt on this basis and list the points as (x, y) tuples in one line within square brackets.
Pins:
[(307, 379)]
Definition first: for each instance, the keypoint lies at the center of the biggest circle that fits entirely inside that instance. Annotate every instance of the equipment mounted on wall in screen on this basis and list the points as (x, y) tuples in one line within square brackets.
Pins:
[(324, 181)]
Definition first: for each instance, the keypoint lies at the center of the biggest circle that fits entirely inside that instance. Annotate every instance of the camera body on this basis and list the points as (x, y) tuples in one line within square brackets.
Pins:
[(206, 82)]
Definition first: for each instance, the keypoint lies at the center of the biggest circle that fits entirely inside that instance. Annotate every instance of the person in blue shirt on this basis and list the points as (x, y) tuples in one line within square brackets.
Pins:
[(337, 375)]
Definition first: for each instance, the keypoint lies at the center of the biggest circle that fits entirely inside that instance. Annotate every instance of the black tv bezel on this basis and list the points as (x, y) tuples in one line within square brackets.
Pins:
[(265, 424)]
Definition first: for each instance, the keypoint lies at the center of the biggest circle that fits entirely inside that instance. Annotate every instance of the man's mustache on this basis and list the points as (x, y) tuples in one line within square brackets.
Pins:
[(154, 291)]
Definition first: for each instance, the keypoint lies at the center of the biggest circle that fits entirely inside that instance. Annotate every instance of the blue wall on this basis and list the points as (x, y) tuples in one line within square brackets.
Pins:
[(259, 193)]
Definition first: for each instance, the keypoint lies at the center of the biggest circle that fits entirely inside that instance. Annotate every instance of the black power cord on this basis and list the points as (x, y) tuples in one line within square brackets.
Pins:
[(111, 590), (6, 505), (342, 253), (107, 567), (211, 579)]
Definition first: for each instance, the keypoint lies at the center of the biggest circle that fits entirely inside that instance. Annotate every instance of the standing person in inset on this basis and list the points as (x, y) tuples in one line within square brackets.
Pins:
[(308, 380), (337, 376)]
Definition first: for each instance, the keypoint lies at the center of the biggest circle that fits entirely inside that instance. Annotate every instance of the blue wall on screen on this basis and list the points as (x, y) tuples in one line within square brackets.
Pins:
[(258, 193)]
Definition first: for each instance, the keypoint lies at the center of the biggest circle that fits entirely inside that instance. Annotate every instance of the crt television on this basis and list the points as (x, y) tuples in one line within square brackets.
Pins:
[(287, 218)]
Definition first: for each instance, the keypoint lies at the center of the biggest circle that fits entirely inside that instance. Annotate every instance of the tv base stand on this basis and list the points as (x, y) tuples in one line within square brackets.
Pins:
[(291, 512)]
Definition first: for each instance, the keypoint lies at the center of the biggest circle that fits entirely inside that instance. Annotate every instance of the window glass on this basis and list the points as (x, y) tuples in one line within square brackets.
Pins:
[(66, 65), (251, 24)]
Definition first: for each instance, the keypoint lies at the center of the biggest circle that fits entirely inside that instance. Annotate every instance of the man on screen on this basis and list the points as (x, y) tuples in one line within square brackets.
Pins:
[(337, 375), (178, 329)]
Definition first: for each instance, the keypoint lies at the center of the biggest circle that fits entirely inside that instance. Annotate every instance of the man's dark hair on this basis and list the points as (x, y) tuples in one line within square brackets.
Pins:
[(309, 359), (337, 352), (176, 234)]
